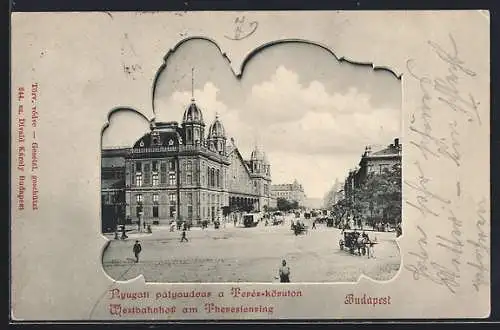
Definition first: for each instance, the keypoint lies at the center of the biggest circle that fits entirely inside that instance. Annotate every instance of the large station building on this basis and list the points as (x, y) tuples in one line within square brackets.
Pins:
[(182, 172)]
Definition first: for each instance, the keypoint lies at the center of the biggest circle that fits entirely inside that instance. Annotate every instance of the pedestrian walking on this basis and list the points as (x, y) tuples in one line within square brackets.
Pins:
[(314, 224), (184, 238), (137, 250), (124, 235), (284, 272), (371, 245)]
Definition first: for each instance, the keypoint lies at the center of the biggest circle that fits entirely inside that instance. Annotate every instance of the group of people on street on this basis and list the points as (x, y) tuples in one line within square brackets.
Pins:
[(381, 226), (181, 225), (298, 227), (123, 231)]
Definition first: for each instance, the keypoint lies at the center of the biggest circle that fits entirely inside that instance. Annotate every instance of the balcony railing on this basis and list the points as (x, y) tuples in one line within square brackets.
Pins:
[(179, 148), (152, 150)]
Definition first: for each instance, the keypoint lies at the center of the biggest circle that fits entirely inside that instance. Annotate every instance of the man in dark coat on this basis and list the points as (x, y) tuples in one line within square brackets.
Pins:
[(184, 238), (137, 250)]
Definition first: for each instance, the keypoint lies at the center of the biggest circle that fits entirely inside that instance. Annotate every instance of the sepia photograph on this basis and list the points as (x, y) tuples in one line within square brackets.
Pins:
[(250, 165), (290, 172)]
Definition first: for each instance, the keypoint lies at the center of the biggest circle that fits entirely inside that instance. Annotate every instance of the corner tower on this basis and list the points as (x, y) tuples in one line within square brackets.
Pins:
[(217, 136), (193, 125)]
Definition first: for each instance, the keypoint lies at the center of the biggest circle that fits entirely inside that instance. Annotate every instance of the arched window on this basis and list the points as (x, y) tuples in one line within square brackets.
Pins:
[(217, 178), (212, 177), (208, 176), (196, 134)]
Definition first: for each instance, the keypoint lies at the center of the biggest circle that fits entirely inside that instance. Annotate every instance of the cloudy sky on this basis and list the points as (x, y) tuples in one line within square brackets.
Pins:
[(311, 114)]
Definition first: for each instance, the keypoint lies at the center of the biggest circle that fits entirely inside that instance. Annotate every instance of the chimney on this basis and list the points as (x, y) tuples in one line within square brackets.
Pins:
[(396, 142)]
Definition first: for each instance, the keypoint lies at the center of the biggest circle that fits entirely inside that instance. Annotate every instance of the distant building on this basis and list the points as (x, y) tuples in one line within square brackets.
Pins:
[(289, 191), (377, 162), (334, 195), (373, 162), (177, 172)]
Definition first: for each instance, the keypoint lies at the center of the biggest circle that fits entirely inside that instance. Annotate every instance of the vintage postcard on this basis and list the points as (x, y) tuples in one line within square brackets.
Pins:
[(250, 165)]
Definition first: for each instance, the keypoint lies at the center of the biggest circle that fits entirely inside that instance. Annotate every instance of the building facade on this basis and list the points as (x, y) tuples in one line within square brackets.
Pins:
[(290, 191), (180, 172), (373, 162), (113, 187)]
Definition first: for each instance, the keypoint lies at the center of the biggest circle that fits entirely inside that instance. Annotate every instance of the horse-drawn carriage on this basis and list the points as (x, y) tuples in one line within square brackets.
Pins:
[(299, 228), (277, 219), (250, 220), (355, 242)]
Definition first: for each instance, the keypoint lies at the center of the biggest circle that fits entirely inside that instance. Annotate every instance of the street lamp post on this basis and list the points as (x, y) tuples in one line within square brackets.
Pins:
[(371, 213), (141, 221)]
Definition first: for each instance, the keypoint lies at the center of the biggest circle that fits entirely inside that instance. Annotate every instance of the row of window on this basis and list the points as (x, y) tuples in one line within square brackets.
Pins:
[(206, 212), (156, 213), (214, 175), (215, 179), (155, 179), (140, 166), (172, 198), (381, 167)]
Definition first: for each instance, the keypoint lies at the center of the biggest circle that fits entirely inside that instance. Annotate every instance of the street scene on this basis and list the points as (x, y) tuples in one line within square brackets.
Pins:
[(253, 254), (289, 173)]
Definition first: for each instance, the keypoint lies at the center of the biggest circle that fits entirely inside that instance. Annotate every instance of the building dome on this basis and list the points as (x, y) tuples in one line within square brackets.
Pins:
[(216, 130), (257, 155), (193, 114)]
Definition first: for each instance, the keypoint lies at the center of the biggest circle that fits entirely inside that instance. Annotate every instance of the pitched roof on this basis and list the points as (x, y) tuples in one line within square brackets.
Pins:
[(391, 150), (238, 154)]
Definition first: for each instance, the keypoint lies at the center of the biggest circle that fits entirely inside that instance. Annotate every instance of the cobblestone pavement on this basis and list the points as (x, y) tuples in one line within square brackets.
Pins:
[(248, 255)]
